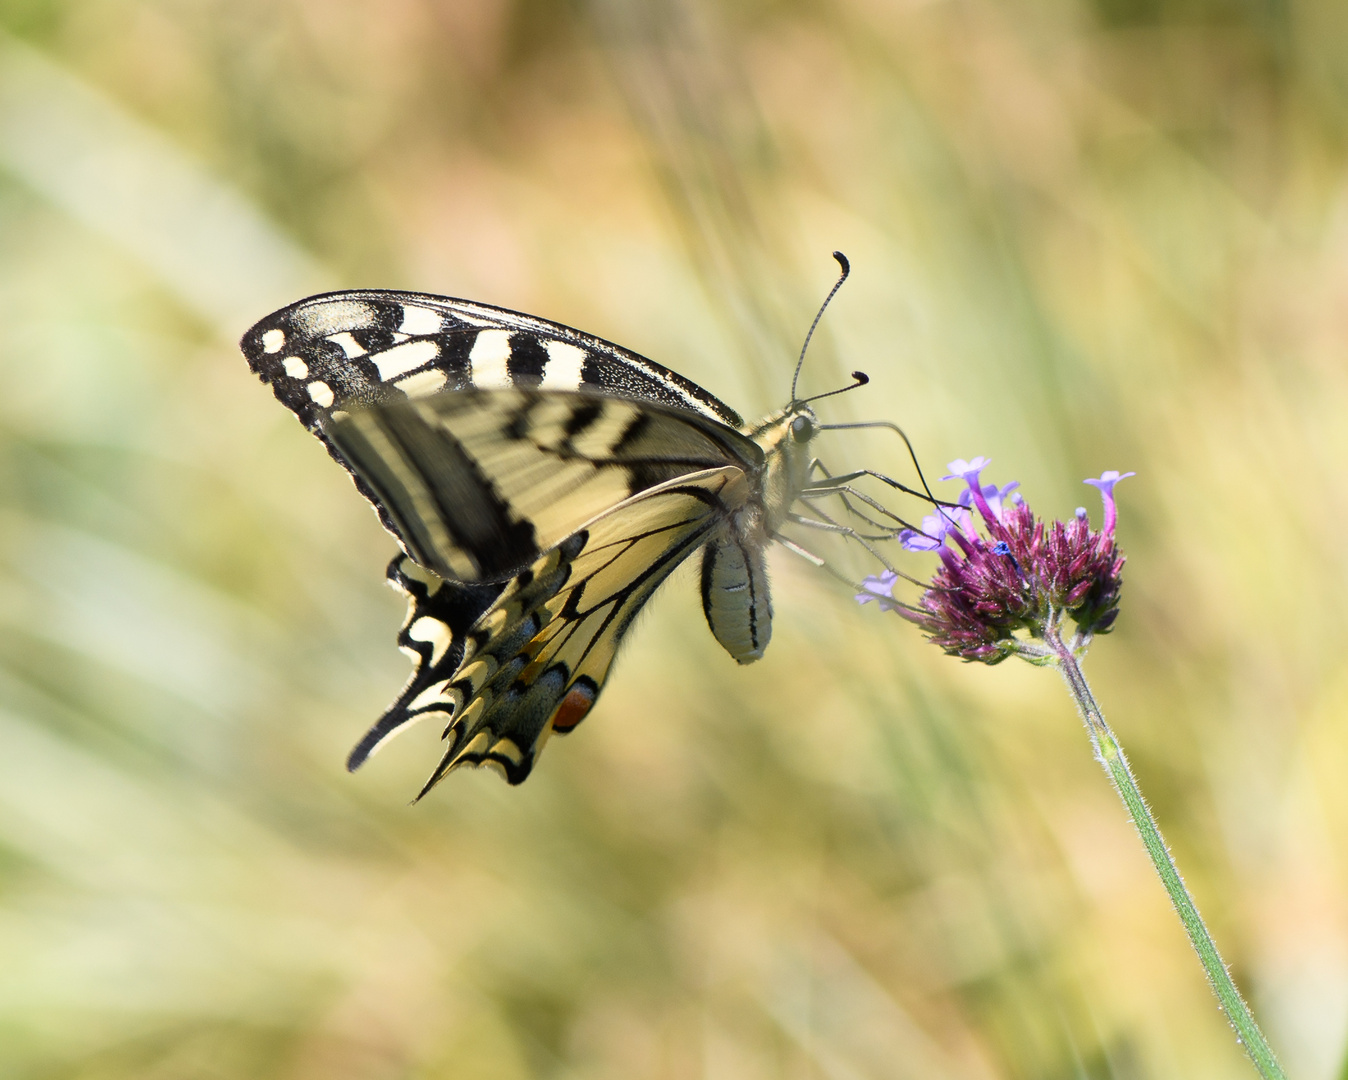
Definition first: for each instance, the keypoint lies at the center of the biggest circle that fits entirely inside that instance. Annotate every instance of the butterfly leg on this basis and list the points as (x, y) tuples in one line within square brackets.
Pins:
[(829, 525), (805, 553), (832, 487), (837, 486), (924, 495)]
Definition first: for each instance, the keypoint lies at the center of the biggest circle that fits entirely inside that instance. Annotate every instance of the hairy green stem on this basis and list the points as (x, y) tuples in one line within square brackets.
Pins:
[(1110, 754)]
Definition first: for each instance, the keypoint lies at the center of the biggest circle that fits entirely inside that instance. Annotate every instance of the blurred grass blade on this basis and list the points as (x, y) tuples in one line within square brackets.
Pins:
[(88, 156)]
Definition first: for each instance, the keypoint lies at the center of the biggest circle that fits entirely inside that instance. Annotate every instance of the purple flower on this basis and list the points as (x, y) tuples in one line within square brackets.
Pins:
[(997, 589)]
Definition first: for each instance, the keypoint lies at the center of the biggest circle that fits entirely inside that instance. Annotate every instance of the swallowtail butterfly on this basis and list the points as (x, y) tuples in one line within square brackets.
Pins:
[(541, 483)]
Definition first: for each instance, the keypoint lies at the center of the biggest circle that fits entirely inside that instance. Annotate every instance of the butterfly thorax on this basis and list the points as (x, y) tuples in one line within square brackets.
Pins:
[(784, 438)]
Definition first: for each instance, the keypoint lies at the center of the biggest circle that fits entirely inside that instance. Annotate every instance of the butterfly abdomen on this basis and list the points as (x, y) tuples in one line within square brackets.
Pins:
[(735, 596)]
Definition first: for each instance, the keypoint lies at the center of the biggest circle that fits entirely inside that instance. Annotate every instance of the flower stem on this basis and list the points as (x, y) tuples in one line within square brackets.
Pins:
[(1110, 754)]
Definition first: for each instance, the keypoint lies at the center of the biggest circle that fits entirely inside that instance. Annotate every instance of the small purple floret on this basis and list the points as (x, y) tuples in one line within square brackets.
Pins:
[(996, 497), (1108, 479), (879, 589), (967, 470), (1106, 483), (932, 536)]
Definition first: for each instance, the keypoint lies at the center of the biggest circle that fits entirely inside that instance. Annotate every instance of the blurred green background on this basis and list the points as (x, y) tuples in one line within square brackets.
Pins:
[(1086, 234)]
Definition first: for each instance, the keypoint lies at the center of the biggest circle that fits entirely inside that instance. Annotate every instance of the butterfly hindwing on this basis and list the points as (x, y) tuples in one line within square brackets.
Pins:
[(535, 660)]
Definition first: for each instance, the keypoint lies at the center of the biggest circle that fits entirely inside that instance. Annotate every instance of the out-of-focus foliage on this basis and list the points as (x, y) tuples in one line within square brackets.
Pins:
[(1085, 235)]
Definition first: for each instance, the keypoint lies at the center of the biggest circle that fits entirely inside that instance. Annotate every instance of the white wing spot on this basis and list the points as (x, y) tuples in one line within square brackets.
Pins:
[(564, 366), (295, 367), (434, 633), (423, 383), (321, 392), (272, 340), (333, 316), (488, 360), (507, 748), (403, 358), (432, 694), (420, 320), (348, 345)]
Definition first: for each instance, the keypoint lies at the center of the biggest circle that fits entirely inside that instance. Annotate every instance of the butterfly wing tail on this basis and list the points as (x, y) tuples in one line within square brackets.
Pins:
[(435, 633)]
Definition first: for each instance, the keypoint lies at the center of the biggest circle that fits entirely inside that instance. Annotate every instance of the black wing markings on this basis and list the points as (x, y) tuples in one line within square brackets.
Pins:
[(366, 346)]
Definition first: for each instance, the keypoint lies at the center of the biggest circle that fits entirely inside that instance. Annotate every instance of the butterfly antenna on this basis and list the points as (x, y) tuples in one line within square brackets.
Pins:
[(846, 269), (860, 378)]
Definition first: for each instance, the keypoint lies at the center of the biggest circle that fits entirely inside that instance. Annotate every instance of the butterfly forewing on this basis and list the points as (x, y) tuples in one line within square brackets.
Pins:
[(479, 484), (330, 353)]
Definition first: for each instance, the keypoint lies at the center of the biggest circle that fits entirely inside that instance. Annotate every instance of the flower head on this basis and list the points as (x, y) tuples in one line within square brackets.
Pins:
[(997, 590)]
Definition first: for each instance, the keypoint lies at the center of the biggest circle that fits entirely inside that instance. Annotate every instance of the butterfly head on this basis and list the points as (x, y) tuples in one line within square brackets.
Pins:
[(787, 431), (785, 439)]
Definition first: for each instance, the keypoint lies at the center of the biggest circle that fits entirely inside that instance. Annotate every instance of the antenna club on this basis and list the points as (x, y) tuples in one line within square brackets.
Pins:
[(860, 377), (843, 262)]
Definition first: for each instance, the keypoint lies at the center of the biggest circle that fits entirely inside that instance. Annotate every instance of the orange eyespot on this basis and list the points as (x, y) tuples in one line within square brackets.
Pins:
[(573, 708)]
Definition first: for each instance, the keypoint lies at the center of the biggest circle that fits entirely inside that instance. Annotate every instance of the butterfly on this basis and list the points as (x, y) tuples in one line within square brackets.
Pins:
[(541, 483)]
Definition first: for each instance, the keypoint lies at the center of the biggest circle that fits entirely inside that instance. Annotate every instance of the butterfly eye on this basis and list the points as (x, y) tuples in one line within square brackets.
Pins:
[(802, 429)]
